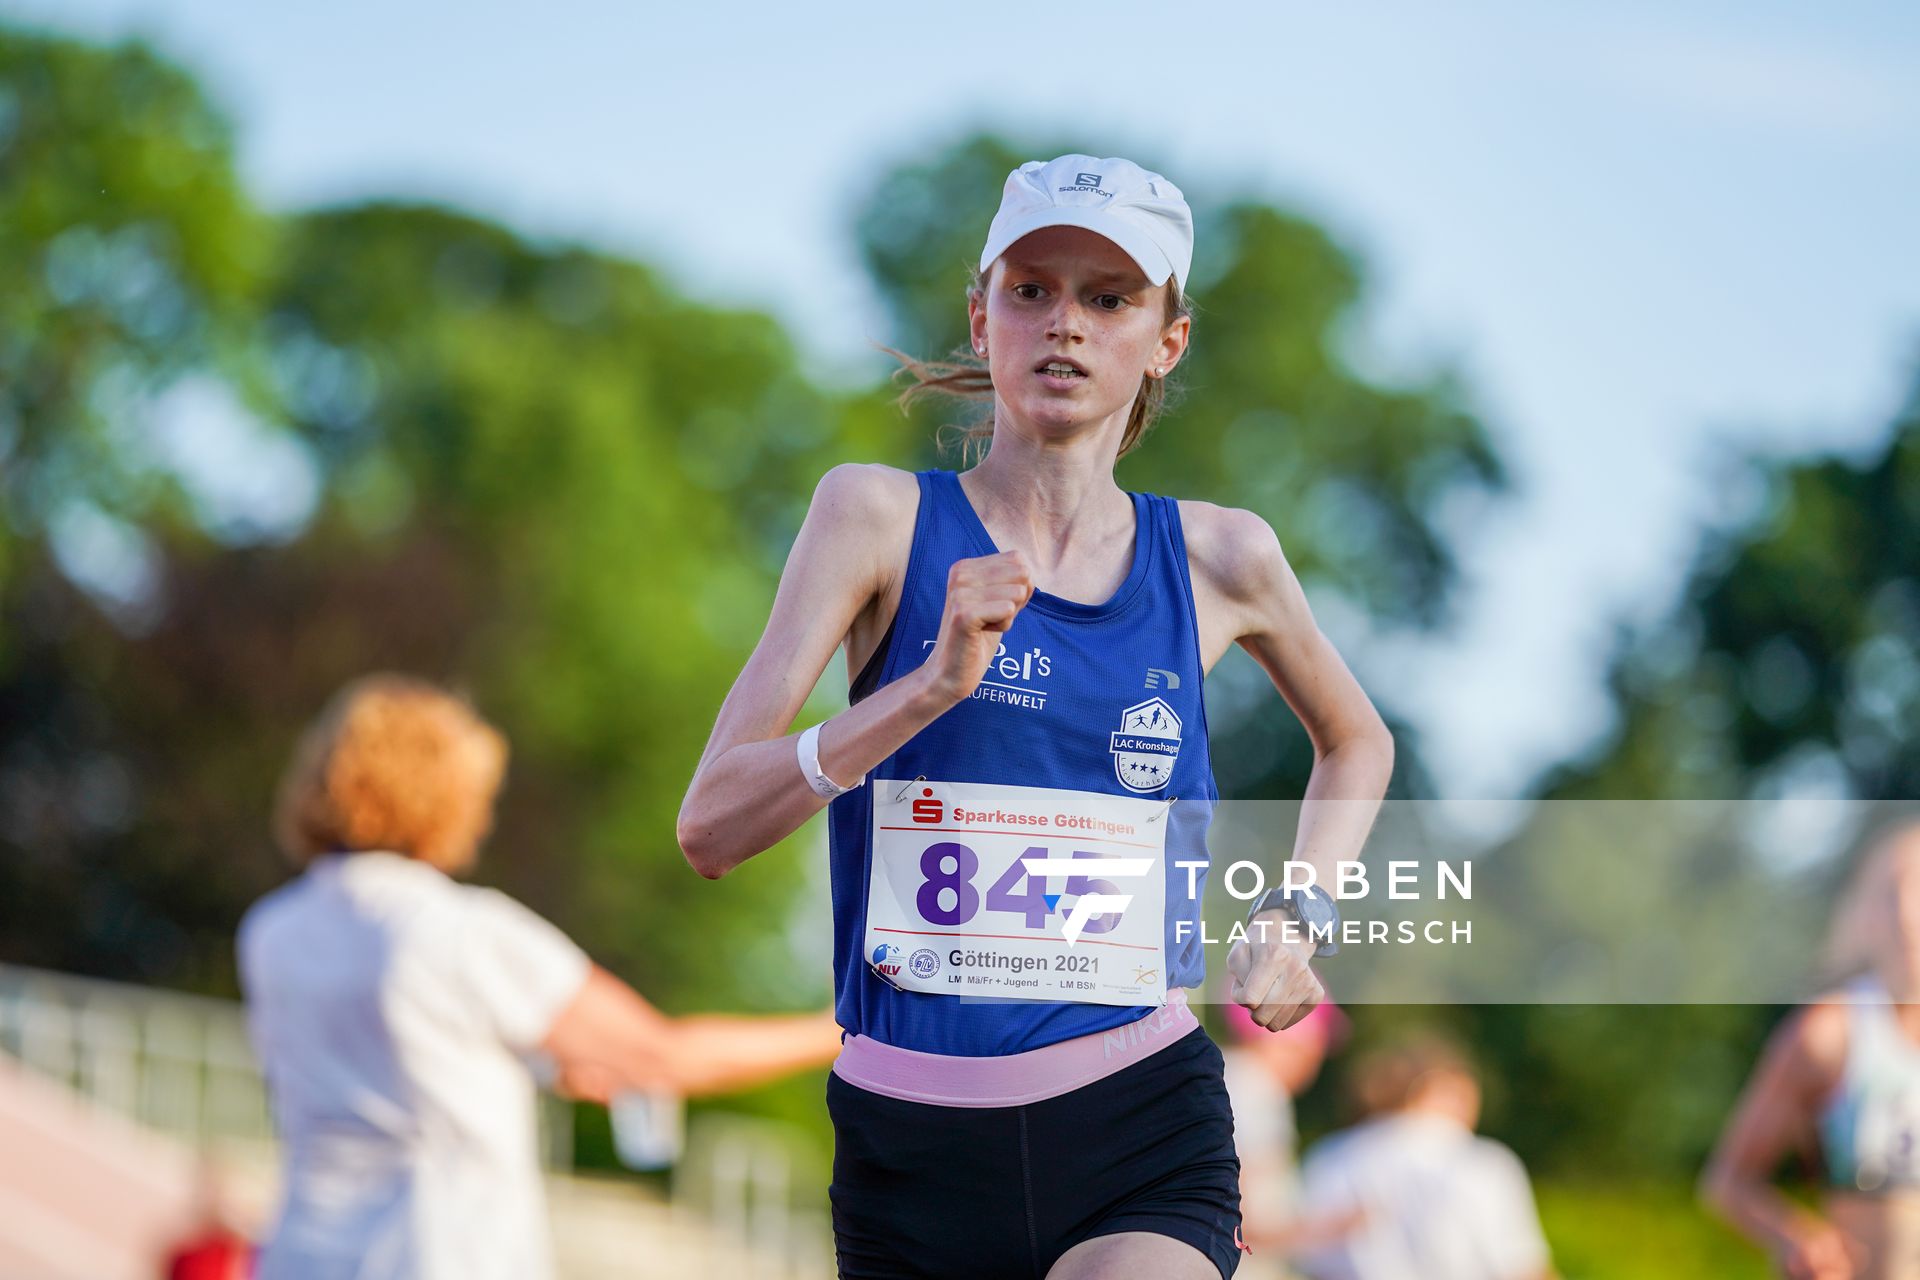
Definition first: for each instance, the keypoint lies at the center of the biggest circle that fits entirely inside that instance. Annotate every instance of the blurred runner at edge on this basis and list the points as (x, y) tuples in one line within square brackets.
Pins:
[(1839, 1083), (1411, 1193), (393, 1009)]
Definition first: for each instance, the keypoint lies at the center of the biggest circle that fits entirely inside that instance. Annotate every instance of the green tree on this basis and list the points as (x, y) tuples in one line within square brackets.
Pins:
[(620, 470), (129, 255), (540, 473), (1791, 656), (130, 258)]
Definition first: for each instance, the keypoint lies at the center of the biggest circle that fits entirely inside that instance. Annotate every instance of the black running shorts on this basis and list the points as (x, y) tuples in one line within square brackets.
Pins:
[(999, 1193)]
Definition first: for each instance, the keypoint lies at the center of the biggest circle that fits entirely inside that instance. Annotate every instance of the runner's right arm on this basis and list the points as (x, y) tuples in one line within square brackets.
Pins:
[(748, 792), (1774, 1118)]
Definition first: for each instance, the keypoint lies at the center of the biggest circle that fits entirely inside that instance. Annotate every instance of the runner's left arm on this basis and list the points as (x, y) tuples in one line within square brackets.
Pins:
[(1246, 593)]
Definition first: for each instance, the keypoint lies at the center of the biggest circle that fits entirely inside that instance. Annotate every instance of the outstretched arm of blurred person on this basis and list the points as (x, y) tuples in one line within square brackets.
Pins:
[(1773, 1119), (609, 1039)]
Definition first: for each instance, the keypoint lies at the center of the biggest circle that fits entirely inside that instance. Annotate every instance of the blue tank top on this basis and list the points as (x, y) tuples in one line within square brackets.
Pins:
[(1052, 712)]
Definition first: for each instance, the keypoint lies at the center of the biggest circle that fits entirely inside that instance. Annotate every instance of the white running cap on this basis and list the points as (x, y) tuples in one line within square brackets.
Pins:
[(1135, 208)]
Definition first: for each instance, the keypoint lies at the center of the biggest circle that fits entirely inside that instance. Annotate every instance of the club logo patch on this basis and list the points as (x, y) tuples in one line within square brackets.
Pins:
[(1146, 746)]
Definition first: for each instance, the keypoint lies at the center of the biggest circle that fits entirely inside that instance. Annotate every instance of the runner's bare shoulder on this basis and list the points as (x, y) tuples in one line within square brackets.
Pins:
[(1234, 550), (868, 498), (863, 514), (1812, 1044), (1241, 580)]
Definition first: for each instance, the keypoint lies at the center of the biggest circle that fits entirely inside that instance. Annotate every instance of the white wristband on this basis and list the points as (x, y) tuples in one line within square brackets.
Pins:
[(809, 751)]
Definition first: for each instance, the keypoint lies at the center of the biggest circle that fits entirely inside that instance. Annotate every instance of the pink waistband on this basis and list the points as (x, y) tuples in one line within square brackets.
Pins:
[(1016, 1078)]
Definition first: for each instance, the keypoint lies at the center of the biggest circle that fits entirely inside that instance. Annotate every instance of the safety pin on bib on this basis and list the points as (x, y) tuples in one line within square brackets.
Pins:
[(1171, 801), (874, 969)]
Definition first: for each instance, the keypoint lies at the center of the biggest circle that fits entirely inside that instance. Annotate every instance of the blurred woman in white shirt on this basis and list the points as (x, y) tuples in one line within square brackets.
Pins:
[(395, 1011)]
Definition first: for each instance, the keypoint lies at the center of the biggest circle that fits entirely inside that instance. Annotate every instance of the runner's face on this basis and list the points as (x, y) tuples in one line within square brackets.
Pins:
[(1067, 294)]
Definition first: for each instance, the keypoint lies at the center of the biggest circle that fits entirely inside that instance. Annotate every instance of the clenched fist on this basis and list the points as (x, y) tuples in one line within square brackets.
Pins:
[(1271, 977), (984, 595)]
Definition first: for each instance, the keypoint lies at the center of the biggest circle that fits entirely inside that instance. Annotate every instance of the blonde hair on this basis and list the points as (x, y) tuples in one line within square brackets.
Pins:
[(393, 763), (1865, 920), (965, 377)]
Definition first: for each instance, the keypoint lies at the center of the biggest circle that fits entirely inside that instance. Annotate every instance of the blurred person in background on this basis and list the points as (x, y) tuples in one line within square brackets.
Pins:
[(1839, 1084), (395, 1012), (1265, 1072), (1411, 1192)]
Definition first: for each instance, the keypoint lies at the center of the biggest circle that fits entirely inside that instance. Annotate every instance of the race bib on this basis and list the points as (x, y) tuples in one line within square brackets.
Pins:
[(1029, 892)]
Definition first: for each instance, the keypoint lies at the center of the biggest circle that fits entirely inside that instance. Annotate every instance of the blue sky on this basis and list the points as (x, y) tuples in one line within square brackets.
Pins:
[(1645, 232)]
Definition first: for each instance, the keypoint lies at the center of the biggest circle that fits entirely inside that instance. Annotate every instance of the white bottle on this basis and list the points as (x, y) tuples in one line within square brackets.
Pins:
[(649, 1128)]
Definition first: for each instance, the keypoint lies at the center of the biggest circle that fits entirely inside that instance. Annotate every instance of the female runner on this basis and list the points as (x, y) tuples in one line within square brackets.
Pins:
[(1022, 773), (1840, 1080)]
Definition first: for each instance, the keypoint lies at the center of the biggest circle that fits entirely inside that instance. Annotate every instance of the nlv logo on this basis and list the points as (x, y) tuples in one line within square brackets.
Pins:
[(1156, 674)]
